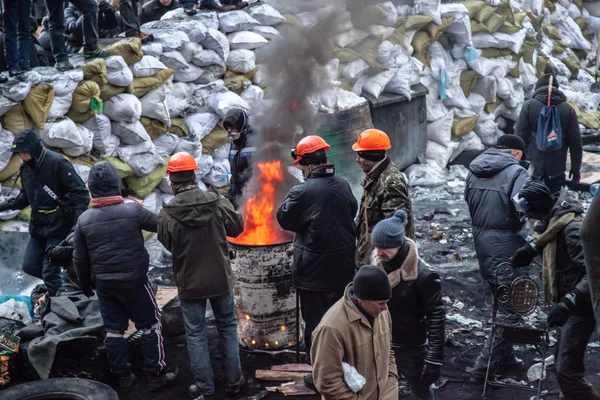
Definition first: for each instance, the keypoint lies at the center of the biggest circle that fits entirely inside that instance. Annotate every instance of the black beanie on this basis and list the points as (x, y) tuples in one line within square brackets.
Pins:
[(372, 155), (372, 283), (512, 142), (544, 81), (538, 196)]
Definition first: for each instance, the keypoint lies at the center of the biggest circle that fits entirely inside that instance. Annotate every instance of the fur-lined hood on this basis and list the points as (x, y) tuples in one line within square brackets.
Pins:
[(408, 271), (541, 94)]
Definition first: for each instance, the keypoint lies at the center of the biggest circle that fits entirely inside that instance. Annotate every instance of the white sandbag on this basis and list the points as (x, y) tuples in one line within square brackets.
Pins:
[(6, 140), (439, 153), (245, 40), (64, 83), (126, 151), (83, 171), (469, 142), (234, 21), (456, 98), (174, 60), (375, 85), (152, 49), (440, 131), (6, 105), (87, 138), (390, 12), (154, 104), (147, 66), (193, 148), (210, 74), (453, 10), (505, 88), (252, 94), (571, 33), (201, 124), (123, 107), (218, 42), (431, 8), (166, 144), (381, 32), (191, 74), (104, 141), (266, 15), (563, 70), (205, 164), (195, 30), (206, 57), (355, 69), (400, 82), (268, 32), (61, 134), (528, 75), (60, 106), (486, 87), (241, 61), (350, 38), (430, 174), (385, 52), (221, 103), (208, 18), (143, 164), (188, 50), (486, 129), (130, 133), (119, 73), (16, 90), (460, 29), (219, 174), (222, 151), (477, 102), (170, 39)]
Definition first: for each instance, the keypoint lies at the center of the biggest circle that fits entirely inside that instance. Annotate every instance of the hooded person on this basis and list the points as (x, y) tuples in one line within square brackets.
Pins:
[(57, 197), (416, 307), (241, 134), (566, 285), (109, 252), (194, 227), (550, 166)]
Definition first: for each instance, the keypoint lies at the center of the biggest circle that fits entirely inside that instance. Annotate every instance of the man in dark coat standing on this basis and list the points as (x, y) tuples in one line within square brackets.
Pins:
[(57, 197), (550, 166), (109, 248), (241, 134), (321, 213), (155, 9), (494, 180)]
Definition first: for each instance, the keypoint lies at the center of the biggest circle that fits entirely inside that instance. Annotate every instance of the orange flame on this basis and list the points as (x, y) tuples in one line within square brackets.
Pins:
[(260, 225)]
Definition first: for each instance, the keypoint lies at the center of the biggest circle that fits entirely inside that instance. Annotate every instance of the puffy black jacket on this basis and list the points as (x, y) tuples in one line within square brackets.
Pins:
[(153, 10), (108, 240), (494, 180), (45, 176), (107, 23), (550, 164), (321, 212), (242, 151)]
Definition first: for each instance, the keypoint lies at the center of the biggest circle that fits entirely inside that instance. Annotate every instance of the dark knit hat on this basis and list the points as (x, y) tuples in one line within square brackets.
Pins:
[(544, 81), (389, 233), (538, 197), (372, 155), (372, 283), (513, 142)]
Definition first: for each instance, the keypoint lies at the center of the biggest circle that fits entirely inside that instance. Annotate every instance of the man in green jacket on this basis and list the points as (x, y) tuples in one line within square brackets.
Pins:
[(194, 227)]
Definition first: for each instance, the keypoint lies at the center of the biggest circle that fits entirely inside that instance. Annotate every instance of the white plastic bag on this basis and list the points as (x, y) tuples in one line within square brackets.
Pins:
[(147, 66), (268, 32), (390, 12), (61, 134), (206, 57), (130, 133), (119, 73), (477, 102), (126, 151), (170, 39), (222, 151), (188, 50), (166, 144), (375, 85), (193, 148), (241, 61), (104, 141), (223, 102), (400, 82), (355, 69), (60, 106), (234, 21), (15, 310), (218, 42), (353, 379), (152, 49), (205, 163), (6, 139), (429, 174), (154, 104), (219, 173), (252, 94), (123, 107), (440, 131), (191, 74), (439, 153), (87, 138), (143, 164), (469, 142), (174, 60), (350, 38), (201, 124), (245, 40), (266, 15), (6, 105)]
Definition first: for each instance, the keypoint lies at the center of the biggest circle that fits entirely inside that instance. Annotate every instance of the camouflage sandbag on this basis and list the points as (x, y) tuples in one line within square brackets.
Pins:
[(398, 36), (573, 64), (414, 22), (551, 31), (491, 107), (96, 71), (216, 138), (540, 67), (510, 28), (86, 102), (478, 27), (368, 50), (494, 23), (16, 119), (549, 4), (108, 91), (141, 86), (421, 43), (223, 190), (528, 48), (237, 83), (588, 119), (345, 55), (559, 47), (506, 10), (484, 14), (11, 169), (435, 30), (141, 186), (468, 80), (495, 53), (130, 49), (38, 102), (462, 126), (516, 71), (123, 168), (153, 127), (474, 6), (179, 128)]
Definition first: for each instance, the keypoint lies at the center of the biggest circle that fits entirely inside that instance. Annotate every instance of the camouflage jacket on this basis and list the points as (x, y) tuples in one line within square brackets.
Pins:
[(385, 192)]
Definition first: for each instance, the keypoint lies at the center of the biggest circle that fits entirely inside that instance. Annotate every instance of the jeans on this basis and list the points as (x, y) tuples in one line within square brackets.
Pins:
[(410, 362), (314, 305), (129, 10), (17, 33), (194, 314), (56, 26), (570, 370), (119, 305), (36, 264)]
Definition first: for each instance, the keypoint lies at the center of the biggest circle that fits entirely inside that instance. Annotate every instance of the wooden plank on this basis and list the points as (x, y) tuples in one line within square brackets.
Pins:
[(589, 167), (163, 296), (268, 375), (293, 367), (292, 389)]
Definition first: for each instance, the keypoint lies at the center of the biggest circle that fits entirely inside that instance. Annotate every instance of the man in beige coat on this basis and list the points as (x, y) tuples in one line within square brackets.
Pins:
[(357, 330)]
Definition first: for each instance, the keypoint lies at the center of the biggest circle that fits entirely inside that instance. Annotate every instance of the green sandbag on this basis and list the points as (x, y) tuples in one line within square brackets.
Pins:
[(141, 186), (435, 30), (154, 128), (124, 169), (141, 86), (495, 22), (468, 80), (414, 22), (484, 14), (130, 49), (96, 71)]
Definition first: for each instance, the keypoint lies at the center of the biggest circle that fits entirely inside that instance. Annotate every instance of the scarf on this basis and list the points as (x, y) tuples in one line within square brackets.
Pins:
[(183, 187), (409, 268), (106, 201), (547, 241)]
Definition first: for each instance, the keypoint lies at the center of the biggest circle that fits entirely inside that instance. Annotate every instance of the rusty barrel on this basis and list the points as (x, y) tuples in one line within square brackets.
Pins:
[(265, 300)]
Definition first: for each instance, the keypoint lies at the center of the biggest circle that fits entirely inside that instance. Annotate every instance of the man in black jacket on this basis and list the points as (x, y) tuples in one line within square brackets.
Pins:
[(57, 197), (155, 9), (237, 125), (107, 23), (418, 315), (109, 247), (550, 166), (565, 280), (321, 213)]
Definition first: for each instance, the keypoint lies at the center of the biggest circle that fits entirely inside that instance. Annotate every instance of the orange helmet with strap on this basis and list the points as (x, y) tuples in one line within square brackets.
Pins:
[(372, 140), (309, 145), (181, 162)]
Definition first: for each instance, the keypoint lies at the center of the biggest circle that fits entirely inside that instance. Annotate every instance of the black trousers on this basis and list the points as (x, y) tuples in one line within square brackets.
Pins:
[(410, 362), (554, 184), (314, 305)]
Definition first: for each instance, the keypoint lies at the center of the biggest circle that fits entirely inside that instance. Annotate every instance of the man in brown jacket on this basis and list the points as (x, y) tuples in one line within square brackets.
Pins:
[(357, 330), (194, 227)]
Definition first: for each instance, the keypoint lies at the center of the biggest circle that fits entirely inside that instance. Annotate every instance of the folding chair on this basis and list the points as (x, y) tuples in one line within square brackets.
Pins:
[(521, 297)]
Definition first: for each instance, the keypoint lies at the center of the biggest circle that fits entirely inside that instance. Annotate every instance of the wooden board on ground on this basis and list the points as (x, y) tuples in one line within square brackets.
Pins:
[(589, 167), (163, 296), (292, 389), (268, 375), (306, 368)]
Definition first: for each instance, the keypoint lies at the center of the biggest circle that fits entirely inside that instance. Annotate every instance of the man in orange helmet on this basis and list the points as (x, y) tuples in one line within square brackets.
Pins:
[(385, 190), (321, 212), (194, 227)]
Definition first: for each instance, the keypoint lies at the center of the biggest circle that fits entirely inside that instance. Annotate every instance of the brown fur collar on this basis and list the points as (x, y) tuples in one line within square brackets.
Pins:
[(408, 271), (555, 92)]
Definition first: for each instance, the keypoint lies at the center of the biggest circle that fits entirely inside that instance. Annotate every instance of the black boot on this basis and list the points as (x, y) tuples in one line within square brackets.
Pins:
[(126, 382), (160, 380)]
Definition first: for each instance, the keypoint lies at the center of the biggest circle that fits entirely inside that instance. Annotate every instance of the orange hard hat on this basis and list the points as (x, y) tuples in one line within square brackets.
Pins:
[(180, 162), (372, 139), (309, 145)]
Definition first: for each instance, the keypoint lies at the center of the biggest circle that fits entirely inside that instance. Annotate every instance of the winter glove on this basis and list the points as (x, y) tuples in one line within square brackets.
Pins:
[(59, 255), (562, 310), (524, 256), (431, 373), (5, 206), (87, 291), (575, 176)]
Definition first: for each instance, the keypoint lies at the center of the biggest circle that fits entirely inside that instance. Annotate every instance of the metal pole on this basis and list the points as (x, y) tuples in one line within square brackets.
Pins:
[(297, 328)]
